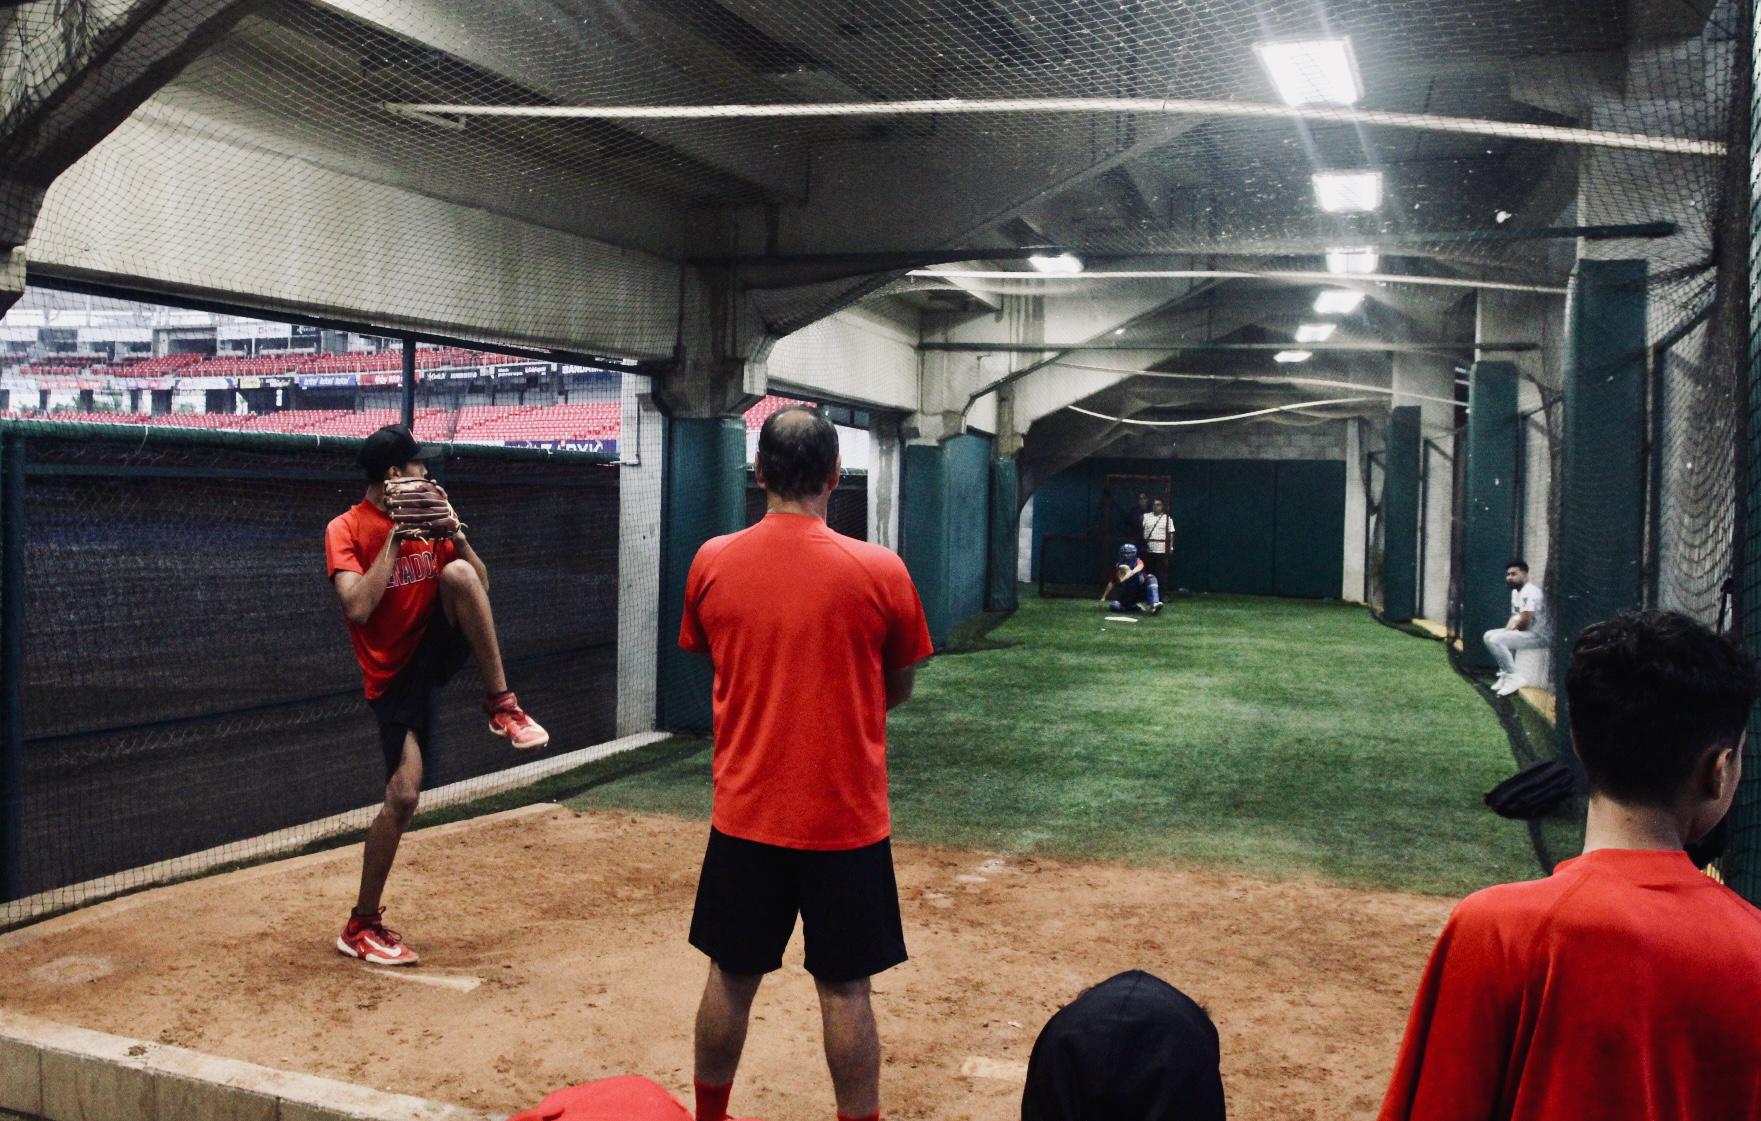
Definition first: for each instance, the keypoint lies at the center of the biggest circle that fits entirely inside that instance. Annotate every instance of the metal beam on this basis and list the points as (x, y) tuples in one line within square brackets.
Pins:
[(1174, 346)]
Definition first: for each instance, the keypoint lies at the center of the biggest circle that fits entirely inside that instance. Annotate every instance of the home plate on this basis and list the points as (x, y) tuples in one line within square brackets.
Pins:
[(1120, 619), (977, 1066)]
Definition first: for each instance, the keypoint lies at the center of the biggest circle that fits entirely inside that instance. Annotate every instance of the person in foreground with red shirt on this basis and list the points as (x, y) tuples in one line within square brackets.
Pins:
[(416, 609), (1627, 985), (813, 636)]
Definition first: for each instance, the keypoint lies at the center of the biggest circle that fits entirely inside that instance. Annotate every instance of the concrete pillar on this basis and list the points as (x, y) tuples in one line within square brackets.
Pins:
[(1005, 535), (717, 374), (1540, 374), (886, 452), (1427, 382), (1400, 516), (640, 450), (1488, 505), (1351, 584)]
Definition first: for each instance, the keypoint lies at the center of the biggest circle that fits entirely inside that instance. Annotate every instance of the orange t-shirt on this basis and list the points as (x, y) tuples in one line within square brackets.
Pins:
[(802, 624), (384, 643), (1624, 987)]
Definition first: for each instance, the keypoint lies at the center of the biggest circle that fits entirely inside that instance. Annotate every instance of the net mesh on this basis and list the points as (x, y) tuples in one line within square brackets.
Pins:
[(189, 685)]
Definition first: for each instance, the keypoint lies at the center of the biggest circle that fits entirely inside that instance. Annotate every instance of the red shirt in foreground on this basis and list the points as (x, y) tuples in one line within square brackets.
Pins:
[(384, 643), (1625, 987), (802, 624)]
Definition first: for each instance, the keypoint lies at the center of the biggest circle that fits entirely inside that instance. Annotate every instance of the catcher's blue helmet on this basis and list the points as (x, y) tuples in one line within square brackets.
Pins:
[(1127, 554)]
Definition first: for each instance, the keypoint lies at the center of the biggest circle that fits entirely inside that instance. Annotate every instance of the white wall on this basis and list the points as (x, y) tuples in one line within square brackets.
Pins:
[(855, 355)]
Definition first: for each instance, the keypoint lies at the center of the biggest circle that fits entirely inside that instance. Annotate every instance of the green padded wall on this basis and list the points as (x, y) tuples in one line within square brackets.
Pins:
[(1400, 516), (1309, 554), (1489, 501), (1602, 476), (945, 528), (703, 495), (1243, 530), (1193, 530), (1002, 594), (1264, 527)]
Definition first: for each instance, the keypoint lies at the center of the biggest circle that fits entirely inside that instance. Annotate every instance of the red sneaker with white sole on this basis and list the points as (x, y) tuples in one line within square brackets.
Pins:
[(509, 721), (373, 942)]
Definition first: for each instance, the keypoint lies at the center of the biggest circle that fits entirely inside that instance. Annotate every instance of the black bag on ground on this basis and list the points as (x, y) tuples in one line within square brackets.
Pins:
[(1535, 790)]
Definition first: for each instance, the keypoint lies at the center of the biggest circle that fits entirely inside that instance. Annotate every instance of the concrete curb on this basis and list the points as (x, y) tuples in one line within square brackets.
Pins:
[(61, 1073)]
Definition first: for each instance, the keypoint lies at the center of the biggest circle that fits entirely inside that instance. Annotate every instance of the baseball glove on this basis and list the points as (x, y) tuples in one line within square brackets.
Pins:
[(420, 509)]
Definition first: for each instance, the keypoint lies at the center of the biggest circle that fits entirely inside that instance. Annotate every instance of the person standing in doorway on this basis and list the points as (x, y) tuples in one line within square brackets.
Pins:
[(1158, 541)]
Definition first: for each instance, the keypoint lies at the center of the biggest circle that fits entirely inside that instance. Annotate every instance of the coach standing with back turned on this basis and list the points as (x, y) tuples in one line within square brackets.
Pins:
[(814, 636)]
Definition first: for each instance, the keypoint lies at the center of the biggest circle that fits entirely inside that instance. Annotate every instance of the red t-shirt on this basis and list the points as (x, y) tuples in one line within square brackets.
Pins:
[(384, 643), (802, 624), (1624, 987)]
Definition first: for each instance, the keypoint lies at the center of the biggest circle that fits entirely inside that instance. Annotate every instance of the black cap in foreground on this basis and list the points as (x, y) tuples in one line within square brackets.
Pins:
[(391, 446)]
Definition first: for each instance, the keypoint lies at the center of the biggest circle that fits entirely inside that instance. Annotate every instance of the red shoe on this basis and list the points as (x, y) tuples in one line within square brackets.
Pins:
[(373, 942), (508, 720)]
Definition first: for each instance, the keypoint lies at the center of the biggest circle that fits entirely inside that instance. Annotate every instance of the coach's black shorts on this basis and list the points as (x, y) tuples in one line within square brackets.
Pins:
[(750, 893), (407, 704)]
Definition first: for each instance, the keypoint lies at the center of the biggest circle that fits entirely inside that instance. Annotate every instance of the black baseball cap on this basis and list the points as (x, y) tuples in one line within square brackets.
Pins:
[(391, 446)]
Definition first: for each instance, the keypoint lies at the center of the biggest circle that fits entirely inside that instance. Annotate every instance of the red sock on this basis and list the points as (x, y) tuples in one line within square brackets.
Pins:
[(712, 1101), (875, 1116)]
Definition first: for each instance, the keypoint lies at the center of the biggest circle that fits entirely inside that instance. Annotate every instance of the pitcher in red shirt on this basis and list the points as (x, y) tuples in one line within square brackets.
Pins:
[(416, 609), (1627, 985), (814, 636)]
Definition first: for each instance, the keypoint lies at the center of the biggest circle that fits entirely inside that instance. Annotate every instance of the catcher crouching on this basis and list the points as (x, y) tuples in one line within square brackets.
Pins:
[(416, 598)]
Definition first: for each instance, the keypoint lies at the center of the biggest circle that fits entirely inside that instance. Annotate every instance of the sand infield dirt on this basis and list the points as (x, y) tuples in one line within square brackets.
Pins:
[(554, 951)]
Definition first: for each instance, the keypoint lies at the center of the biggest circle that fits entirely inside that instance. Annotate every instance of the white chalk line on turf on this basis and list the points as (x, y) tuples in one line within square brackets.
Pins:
[(285, 840)]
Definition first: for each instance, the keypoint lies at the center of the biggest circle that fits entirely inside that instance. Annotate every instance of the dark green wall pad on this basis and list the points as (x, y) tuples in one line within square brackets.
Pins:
[(1602, 476), (703, 496), (1309, 544), (945, 530), (1489, 504), (1263, 527), (1400, 516), (1002, 595)]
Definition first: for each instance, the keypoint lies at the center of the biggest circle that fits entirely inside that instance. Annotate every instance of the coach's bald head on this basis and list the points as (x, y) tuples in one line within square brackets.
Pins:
[(797, 454)]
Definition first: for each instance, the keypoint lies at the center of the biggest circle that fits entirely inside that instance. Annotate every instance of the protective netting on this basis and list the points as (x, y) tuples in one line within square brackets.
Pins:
[(188, 685), (445, 216)]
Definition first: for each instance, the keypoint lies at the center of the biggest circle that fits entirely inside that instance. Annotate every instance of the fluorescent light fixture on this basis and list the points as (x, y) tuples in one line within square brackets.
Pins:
[(1338, 301), (1345, 192), (1315, 332), (1313, 72), (1060, 264), (1292, 356), (1351, 260)]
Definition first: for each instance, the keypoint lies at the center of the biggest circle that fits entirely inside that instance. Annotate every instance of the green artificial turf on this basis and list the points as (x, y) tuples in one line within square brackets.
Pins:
[(1278, 737)]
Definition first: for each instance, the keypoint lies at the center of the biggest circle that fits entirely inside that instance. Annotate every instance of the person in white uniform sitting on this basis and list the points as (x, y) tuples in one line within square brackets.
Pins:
[(1530, 627)]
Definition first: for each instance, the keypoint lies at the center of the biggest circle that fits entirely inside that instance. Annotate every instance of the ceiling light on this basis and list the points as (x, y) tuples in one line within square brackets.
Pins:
[(1292, 356), (1314, 72), (1315, 332), (1062, 264), (1352, 260), (1342, 192), (1338, 301)]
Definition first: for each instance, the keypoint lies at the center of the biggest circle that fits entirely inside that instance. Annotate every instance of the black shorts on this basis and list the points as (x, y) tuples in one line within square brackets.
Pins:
[(407, 705), (750, 893)]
